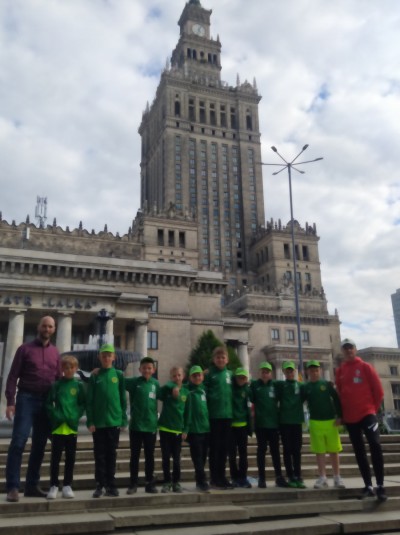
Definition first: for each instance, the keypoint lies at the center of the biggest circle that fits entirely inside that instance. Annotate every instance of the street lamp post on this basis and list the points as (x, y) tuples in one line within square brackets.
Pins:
[(289, 166)]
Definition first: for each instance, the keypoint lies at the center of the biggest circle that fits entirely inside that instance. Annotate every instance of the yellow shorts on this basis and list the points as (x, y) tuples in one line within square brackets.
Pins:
[(324, 437)]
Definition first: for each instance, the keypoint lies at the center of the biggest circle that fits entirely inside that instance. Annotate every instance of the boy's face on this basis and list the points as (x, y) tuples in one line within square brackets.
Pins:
[(197, 378), (106, 359), (69, 370), (314, 373), (147, 369), (290, 374), (220, 360), (265, 375), (177, 376), (241, 379)]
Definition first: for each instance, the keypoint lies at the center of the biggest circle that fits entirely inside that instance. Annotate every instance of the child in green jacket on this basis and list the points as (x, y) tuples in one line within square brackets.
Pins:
[(143, 394), (106, 414), (291, 417), (240, 430), (218, 383), (197, 425), (171, 424), (264, 396), (65, 405)]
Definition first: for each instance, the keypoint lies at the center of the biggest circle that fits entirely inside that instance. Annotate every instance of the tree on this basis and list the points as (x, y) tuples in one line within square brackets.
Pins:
[(201, 353)]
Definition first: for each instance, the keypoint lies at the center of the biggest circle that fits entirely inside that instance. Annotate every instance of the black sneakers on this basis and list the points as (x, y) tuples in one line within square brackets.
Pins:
[(367, 492), (380, 494)]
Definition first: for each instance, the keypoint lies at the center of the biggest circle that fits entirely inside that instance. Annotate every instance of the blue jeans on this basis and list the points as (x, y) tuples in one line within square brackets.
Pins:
[(30, 414)]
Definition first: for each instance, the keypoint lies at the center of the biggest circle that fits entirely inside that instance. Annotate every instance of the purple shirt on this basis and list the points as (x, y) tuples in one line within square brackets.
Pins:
[(35, 367)]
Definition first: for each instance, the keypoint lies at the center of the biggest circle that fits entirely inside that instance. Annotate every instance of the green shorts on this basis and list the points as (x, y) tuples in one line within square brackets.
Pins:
[(324, 437)]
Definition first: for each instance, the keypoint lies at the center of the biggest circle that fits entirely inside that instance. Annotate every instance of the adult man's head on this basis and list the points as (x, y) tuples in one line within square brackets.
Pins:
[(46, 329), (349, 349)]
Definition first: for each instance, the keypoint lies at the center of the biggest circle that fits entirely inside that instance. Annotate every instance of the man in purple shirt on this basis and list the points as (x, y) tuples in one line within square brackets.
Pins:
[(35, 367)]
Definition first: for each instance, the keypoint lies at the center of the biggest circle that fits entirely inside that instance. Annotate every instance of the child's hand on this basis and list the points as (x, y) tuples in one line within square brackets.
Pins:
[(184, 436), (338, 422), (92, 428), (175, 392)]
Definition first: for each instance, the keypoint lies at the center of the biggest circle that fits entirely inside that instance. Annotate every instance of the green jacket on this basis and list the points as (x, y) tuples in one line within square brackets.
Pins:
[(196, 411), (173, 409), (266, 404), (106, 399), (290, 395), (323, 400), (143, 397), (66, 403), (218, 385), (240, 404)]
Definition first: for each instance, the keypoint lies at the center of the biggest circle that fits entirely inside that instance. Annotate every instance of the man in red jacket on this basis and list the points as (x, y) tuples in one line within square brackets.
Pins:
[(361, 395)]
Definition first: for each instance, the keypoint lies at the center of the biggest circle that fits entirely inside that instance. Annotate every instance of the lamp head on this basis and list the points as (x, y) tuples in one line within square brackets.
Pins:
[(274, 149), (305, 147)]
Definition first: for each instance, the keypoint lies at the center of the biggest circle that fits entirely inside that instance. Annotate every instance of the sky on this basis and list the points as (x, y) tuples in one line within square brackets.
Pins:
[(76, 75)]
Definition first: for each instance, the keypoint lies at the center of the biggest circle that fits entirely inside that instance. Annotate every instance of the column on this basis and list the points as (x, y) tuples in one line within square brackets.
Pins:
[(130, 337), (110, 331), (243, 354), (64, 331), (15, 337), (141, 336)]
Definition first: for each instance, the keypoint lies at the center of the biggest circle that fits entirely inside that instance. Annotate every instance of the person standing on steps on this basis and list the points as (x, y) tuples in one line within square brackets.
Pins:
[(35, 367), (361, 395)]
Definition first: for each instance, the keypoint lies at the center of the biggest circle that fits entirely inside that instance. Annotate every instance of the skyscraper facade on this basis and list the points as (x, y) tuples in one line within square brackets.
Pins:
[(396, 313)]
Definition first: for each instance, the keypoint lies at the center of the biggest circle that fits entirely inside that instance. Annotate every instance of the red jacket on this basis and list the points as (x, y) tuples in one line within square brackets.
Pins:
[(359, 388)]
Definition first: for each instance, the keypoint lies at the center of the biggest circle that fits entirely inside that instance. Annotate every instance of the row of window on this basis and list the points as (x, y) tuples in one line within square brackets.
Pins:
[(290, 335), (287, 252), (171, 238)]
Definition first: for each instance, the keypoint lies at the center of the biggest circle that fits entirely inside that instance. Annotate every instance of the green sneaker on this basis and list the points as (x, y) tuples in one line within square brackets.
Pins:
[(292, 483), (167, 487), (176, 487), (300, 484)]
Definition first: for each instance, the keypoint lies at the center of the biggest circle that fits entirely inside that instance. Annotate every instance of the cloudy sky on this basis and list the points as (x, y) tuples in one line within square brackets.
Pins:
[(75, 76)]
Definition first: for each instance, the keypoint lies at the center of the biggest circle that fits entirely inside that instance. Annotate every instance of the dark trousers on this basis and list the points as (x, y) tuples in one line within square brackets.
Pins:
[(292, 441), (370, 428), (105, 444), (265, 437), (198, 443), (171, 445), (30, 414), (148, 440), (220, 433), (59, 443), (238, 448)]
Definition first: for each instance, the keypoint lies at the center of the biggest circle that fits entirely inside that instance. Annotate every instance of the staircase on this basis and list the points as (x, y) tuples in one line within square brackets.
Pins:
[(233, 512)]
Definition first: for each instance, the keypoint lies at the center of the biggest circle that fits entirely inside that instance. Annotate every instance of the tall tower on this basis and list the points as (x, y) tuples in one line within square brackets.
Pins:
[(201, 148)]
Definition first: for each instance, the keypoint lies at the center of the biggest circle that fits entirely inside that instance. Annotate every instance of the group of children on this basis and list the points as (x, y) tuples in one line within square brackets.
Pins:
[(212, 412)]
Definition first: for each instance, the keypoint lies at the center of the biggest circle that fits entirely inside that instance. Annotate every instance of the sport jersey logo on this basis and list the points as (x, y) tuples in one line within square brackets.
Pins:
[(114, 380), (73, 391)]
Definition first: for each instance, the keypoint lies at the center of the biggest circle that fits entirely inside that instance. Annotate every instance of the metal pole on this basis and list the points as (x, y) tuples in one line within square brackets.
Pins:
[(296, 288)]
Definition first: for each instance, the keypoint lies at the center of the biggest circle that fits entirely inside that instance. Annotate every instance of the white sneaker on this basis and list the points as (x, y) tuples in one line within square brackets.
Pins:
[(321, 483), (67, 492), (338, 483), (52, 494)]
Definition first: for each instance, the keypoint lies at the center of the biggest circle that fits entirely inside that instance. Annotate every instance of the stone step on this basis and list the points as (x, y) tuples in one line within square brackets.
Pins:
[(217, 512)]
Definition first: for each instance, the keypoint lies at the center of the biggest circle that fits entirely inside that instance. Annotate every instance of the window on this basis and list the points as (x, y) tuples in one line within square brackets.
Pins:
[(393, 370), (154, 304), (160, 236), (171, 238), (290, 335), (396, 389), (286, 251), (306, 255), (152, 339), (305, 337), (275, 334), (181, 239)]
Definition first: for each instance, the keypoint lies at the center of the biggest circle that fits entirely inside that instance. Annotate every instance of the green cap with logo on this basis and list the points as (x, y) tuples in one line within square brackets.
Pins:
[(241, 371), (265, 366), (195, 369), (289, 364), (313, 363), (107, 348)]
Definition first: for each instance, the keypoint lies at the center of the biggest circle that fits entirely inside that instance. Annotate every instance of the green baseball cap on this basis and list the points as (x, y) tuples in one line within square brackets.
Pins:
[(265, 366), (241, 371), (314, 363), (107, 348), (288, 364), (195, 369)]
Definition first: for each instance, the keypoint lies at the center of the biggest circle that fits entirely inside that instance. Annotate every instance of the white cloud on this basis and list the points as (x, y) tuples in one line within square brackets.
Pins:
[(75, 76)]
